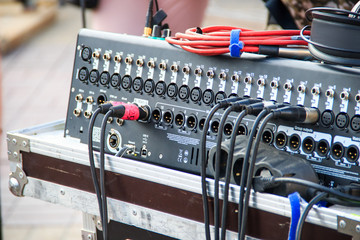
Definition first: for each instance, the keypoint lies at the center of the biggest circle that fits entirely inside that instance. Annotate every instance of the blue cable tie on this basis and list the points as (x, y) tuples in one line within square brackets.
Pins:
[(294, 199), (235, 46)]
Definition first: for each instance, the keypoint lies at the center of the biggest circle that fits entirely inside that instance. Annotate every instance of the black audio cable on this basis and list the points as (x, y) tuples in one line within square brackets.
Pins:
[(91, 160), (222, 104), (83, 17), (228, 172), (148, 21), (290, 113), (275, 181), (329, 194), (334, 195), (315, 200), (235, 106), (102, 174), (157, 5), (121, 152), (252, 109), (245, 165), (102, 109), (127, 112)]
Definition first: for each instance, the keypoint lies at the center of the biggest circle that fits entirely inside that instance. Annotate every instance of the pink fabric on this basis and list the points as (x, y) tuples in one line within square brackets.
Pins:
[(128, 16)]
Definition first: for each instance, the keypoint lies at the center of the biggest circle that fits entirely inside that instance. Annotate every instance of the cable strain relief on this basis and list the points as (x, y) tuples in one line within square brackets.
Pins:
[(290, 113), (256, 108), (298, 114), (275, 106), (104, 108), (311, 192), (240, 105), (226, 102), (260, 184), (269, 50), (118, 110)]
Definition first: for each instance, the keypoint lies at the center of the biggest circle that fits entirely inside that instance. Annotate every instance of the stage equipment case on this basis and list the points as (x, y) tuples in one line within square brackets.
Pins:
[(148, 201)]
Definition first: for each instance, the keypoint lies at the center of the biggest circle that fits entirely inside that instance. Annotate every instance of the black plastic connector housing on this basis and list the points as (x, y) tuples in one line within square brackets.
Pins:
[(297, 114)]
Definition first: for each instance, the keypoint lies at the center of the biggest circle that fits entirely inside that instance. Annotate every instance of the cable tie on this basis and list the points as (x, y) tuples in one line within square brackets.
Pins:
[(236, 45), (294, 199)]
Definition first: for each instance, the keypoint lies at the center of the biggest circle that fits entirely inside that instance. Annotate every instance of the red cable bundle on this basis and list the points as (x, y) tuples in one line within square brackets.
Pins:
[(215, 40)]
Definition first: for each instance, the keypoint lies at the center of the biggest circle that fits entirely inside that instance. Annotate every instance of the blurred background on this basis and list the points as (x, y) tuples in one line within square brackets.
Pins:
[(37, 43)]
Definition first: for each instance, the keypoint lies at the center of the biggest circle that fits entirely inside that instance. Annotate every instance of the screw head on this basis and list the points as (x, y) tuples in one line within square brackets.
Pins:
[(21, 175), (15, 154), (14, 141), (62, 191), (134, 212), (14, 186), (98, 223), (357, 228), (342, 223), (24, 143), (89, 237)]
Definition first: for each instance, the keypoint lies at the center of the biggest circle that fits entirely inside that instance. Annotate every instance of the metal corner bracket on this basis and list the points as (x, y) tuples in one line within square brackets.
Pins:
[(16, 144), (349, 227), (86, 235)]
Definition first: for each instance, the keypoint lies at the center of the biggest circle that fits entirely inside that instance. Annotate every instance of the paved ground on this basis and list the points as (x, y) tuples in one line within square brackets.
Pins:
[(36, 81)]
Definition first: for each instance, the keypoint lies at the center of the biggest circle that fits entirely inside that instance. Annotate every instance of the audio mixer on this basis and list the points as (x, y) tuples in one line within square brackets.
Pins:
[(180, 88)]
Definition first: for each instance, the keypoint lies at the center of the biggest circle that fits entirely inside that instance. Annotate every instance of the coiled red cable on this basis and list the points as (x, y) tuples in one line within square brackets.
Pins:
[(215, 40)]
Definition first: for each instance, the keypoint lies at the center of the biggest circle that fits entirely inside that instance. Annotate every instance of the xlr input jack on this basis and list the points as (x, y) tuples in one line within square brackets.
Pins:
[(308, 145), (191, 122), (101, 99), (337, 151), (156, 115), (168, 117), (201, 124), (237, 169), (322, 148), (242, 129), (228, 129), (352, 153), (267, 136), (280, 140), (215, 126), (294, 142), (180, 119)]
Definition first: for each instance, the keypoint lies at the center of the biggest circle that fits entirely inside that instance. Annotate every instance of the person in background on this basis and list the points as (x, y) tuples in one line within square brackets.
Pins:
[(290, 14), (297, 8), (128, 16)]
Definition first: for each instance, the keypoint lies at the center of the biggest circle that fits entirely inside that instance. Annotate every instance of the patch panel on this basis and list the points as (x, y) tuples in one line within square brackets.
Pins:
[(180, 88)]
